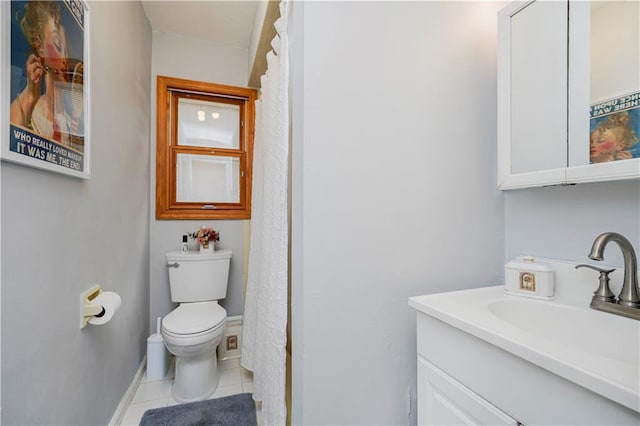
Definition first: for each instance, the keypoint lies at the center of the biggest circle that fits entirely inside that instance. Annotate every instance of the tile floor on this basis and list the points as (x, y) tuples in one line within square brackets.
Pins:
[(233, 380)]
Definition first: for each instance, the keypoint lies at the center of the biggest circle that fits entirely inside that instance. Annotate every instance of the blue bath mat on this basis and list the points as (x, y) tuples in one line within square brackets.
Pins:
[(233, 410)]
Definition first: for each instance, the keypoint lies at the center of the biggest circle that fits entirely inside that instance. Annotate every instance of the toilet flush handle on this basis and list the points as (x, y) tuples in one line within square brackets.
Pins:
[(173, 265)]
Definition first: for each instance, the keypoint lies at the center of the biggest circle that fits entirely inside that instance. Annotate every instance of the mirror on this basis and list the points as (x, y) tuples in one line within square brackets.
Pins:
[(568, 92), (614, 89)]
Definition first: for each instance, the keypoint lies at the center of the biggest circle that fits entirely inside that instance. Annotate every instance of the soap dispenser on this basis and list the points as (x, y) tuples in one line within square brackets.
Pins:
[(185, 245)]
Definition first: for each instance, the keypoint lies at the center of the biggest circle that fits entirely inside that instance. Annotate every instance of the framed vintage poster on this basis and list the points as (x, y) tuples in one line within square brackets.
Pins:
[(615, 129), (45, 81)]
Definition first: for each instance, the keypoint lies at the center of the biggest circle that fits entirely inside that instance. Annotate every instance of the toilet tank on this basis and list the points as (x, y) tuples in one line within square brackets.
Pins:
[(195, 277)]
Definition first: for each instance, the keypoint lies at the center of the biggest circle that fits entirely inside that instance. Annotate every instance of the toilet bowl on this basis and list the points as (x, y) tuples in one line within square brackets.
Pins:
[(193, 330)]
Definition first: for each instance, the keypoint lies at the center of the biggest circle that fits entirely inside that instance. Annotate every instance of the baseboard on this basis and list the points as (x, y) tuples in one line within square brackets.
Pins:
[(233, 328), (118, 415)]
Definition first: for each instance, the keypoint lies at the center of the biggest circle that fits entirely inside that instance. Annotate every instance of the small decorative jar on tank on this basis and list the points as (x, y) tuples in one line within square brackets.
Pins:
[(525, 276)]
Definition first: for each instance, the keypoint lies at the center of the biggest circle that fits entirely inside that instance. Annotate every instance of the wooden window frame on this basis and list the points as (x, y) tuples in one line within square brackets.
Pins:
[(169, 90)]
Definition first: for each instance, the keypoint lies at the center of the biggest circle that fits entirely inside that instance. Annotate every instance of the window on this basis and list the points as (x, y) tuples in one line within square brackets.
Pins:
[(204, 150)]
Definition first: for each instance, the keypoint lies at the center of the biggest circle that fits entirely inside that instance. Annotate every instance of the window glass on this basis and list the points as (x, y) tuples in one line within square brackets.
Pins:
[(208, 124), (207, 179)]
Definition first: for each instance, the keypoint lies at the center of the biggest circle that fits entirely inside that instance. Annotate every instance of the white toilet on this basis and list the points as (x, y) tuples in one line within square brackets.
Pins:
[(193, 330)]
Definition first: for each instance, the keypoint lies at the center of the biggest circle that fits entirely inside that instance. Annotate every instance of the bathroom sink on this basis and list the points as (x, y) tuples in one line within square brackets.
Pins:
[(596, 350), (585, 329)]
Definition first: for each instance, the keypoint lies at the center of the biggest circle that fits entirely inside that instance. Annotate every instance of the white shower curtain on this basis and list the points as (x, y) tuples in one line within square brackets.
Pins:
[(265, 311)]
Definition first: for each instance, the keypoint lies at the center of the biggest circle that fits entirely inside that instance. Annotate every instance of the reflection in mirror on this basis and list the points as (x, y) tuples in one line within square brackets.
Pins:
[(614, 81)]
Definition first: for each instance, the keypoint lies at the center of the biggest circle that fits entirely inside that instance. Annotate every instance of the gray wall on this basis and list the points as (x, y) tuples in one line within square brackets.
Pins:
[(193, 59), (562, 222), (61, 235), (394, 178)]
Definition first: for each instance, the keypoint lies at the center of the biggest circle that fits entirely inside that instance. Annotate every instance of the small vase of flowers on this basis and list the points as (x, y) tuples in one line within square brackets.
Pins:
[(205, 236)]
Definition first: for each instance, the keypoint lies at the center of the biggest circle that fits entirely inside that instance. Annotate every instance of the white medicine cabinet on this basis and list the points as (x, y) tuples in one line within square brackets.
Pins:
[(568, 92)]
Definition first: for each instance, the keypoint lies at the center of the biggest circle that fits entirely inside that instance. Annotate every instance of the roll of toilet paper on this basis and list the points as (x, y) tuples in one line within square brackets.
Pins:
[(110, 301)]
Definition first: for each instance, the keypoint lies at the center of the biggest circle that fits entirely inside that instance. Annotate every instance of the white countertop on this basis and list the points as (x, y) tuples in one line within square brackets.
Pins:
[(594, 349)]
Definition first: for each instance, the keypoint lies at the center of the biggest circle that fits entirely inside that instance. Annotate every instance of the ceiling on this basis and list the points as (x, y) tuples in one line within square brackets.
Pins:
[(227, 22)]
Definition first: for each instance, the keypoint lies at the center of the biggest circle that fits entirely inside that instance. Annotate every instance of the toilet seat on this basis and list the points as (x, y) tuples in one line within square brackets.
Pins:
[(192, 319)]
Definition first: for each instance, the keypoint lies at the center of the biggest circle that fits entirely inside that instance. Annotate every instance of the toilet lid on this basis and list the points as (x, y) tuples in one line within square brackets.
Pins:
[(191, 318)]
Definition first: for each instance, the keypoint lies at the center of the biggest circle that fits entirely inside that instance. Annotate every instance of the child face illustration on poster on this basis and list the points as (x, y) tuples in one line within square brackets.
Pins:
[(613, 137)]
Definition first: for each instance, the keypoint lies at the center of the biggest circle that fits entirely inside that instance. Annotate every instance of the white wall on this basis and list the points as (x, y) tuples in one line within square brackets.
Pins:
[(394, 195), (562, 222), (183, 57), (61, 235)]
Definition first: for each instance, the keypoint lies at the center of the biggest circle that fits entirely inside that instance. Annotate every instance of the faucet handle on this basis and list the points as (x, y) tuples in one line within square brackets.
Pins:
[(595, 268), (603, 292)]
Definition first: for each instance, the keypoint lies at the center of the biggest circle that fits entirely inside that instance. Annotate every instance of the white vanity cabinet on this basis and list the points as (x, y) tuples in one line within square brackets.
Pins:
[(555, 60), (481, 363), (442, 400)]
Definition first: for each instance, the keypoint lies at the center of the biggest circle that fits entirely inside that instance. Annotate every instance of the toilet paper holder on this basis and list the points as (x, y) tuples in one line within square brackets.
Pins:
[(88, 309)]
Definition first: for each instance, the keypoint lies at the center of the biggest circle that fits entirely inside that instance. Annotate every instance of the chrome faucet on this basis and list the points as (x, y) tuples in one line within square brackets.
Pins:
[(629, 294), (628, 303)]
